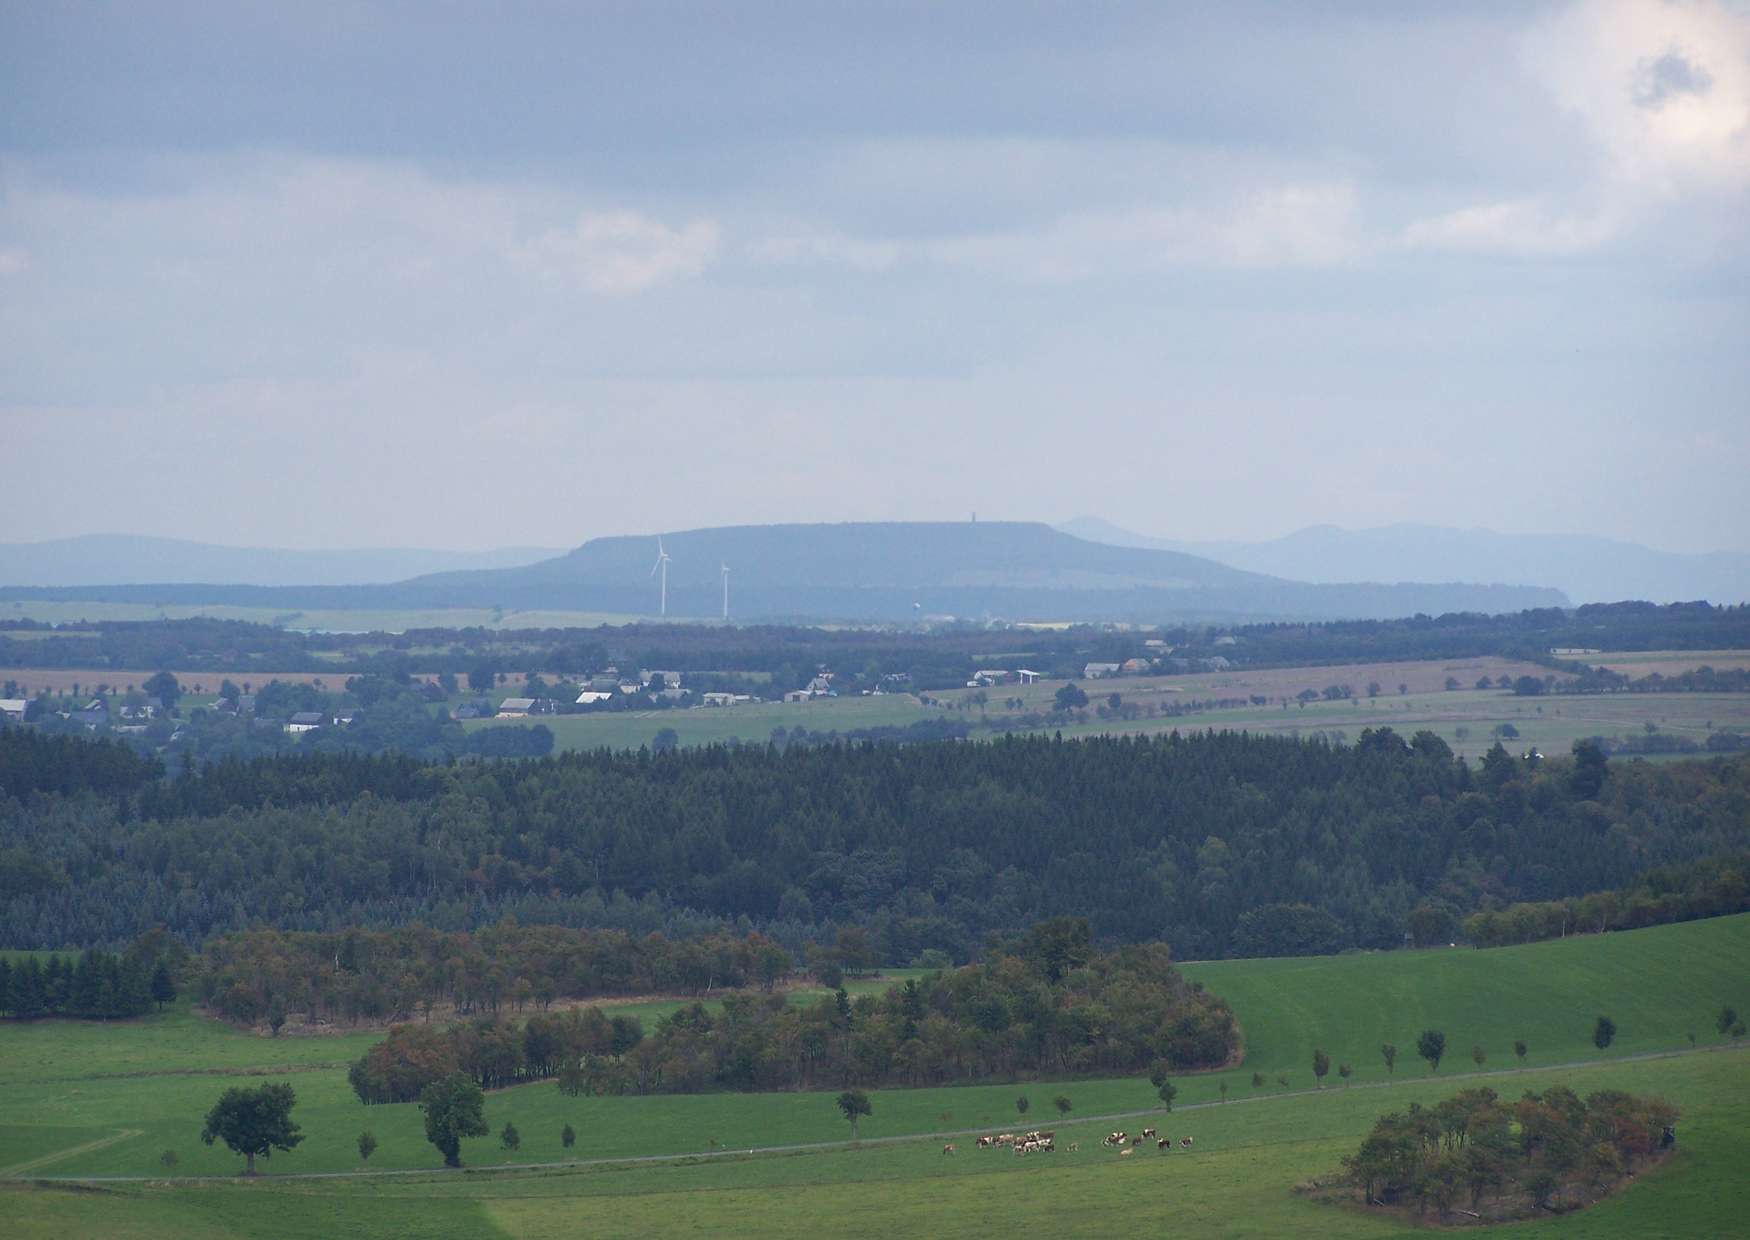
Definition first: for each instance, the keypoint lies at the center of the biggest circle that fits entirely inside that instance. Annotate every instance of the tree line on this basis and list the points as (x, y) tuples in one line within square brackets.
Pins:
[(931, 847), (361, 975), (1057, 1008), (95, 985), (1716, 887), (785, 656)]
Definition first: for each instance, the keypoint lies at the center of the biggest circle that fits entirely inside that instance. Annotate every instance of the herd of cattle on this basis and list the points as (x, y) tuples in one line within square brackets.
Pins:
[(1044, 1142)]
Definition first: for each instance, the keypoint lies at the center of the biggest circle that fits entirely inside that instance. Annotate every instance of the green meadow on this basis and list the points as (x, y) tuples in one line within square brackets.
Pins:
[(105, 1101)]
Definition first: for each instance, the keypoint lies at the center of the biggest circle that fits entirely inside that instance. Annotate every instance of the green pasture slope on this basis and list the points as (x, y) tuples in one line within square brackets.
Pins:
[(143, 1086)]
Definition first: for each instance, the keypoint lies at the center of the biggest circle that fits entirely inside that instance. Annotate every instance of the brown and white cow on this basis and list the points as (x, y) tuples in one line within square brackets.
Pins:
[(1185, 1143), (948, 1149)]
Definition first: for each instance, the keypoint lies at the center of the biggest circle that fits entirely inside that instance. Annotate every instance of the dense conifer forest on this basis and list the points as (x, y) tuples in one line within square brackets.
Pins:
[(1215, 843)]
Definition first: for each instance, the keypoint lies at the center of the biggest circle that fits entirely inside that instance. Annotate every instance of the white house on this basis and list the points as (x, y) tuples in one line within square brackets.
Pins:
[(306, 721), (12, 709)]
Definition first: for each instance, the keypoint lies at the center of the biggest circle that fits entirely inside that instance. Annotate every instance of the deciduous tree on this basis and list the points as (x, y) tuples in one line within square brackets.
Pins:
[(253, 1122)]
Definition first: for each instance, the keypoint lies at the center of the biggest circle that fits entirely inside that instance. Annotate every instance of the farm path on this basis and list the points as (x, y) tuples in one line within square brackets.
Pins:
[(12, 1173), (17, 1171)]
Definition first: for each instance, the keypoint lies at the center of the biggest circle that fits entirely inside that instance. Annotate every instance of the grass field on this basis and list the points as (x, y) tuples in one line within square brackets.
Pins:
[(146, 1084), (751, 721), (1465, 718)]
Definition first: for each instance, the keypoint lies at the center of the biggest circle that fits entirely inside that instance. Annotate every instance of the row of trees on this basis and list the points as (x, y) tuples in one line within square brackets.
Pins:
[(1058, 1009), (1544, 1146), (363, 975)]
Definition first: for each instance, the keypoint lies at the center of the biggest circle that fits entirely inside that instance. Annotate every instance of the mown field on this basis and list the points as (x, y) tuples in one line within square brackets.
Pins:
[(142, 1087)]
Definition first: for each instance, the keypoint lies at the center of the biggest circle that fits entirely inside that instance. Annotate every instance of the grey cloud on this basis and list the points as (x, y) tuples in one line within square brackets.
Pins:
[(1670, 75)]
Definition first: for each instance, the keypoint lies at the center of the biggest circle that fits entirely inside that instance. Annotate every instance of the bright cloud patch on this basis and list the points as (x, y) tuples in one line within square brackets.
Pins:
[(1524, 228), (623, 251)]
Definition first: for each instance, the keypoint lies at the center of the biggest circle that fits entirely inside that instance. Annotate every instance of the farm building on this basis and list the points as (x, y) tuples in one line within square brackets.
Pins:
[(1100, 671), (516, 708), (590, 697), (306, 721), (12, 709), (724, 699)]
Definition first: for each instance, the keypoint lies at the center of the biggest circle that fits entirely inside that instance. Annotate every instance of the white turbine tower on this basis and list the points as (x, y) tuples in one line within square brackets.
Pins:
[(726, 591), (662, 566)]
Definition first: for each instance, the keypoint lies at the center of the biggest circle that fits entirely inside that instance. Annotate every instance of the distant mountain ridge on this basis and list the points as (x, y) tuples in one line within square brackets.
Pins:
[(1587, 568), (135, 559), (867, 571)]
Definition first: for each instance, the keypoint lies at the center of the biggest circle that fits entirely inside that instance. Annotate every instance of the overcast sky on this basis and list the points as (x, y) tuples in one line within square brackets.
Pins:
[(381, 274)]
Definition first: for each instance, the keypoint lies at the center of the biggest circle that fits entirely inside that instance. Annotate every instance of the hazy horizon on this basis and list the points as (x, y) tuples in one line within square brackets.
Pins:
[(398, 276), (560, 547)]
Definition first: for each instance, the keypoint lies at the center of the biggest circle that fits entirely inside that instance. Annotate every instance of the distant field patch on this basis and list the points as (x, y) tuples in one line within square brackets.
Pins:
[(706, 725), (334, 620), (1669, 662)]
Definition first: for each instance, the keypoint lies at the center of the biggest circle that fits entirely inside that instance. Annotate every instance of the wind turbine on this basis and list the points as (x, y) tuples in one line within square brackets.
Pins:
[(726, 591), (662, 564)]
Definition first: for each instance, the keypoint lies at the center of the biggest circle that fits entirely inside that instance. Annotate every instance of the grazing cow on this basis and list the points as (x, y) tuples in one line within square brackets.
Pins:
[(1115, 1138), (1185, 1143), (1005, 1138), (1126, 1152), (1074, 1146), (948, 1149), (1164, 1144), (984, 1143), (1136, 1140), (1148, 1132)]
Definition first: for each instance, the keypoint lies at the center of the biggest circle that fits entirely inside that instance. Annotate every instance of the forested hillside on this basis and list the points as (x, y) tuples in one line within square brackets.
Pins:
[(1216, 844)]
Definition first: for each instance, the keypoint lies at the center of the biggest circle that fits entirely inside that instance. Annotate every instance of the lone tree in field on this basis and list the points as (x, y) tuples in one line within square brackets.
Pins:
[(510, 1138), (454, 1108), (1022, 1104), (854, 1104), (1257, 1080), (253, 1122), (1164, 1088), (163, 986), (1063, 1104), (1390, 1054), (1725, 1020), (367, 1145), (1432, 1047), (1477, 1055), (1345, 1071), (567, 1137), (168, 1161), (1224, 1091), (1520, 1049), (1321, 1066), (1603, 1033)]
